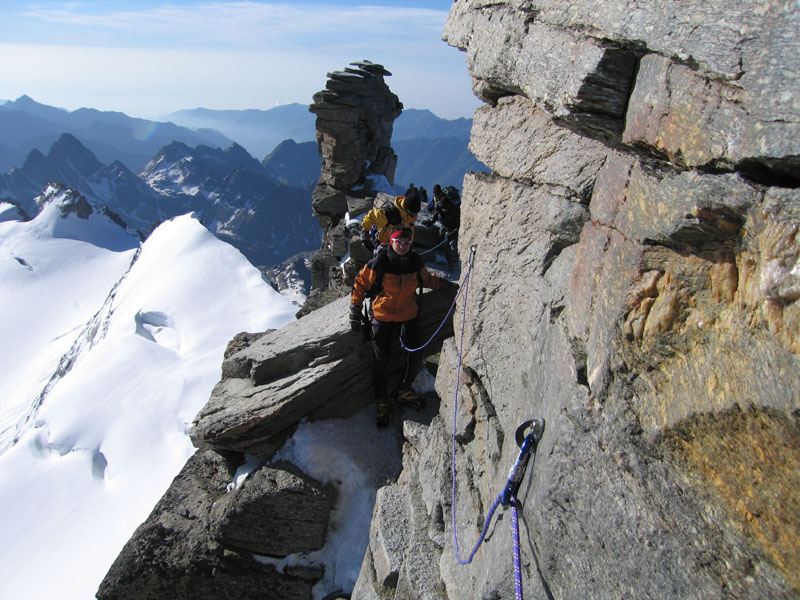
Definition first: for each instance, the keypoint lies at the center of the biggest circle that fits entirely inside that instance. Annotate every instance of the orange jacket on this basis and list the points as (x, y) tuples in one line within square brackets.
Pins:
[(396, 300)]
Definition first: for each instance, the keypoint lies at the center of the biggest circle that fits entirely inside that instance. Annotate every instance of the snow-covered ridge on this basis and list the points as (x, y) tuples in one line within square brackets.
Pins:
[(110, 346)]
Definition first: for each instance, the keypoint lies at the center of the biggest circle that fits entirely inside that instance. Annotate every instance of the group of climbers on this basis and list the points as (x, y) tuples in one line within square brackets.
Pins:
[(444, 213), (391, 279)]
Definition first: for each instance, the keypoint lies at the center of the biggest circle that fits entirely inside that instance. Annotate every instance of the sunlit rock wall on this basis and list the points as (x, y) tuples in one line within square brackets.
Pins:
[(636, 284)]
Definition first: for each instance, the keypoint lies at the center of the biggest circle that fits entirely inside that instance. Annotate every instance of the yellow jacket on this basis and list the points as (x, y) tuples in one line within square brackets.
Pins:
[(386, 219)]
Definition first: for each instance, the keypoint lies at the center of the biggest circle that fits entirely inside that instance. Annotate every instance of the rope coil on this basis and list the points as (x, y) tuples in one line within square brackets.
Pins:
[(462, 289)]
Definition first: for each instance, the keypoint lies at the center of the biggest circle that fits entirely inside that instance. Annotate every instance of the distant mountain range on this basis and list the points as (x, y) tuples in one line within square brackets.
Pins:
[(228, 190), (148, 171), (111, 136)]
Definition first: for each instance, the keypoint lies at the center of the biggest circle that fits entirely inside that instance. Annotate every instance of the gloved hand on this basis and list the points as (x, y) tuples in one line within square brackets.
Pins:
[(355, 318), (366, 239)]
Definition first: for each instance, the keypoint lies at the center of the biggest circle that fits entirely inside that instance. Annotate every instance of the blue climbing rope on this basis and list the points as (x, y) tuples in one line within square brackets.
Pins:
[(508, 497), (447, 237), (527, 445), (517, 565), (438, 329)]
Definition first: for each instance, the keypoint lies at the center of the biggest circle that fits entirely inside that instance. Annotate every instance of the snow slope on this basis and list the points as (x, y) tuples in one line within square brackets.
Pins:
[(108, 351)]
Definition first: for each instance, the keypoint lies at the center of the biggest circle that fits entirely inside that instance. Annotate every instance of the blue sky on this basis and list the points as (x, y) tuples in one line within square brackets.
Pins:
[(148, 58)]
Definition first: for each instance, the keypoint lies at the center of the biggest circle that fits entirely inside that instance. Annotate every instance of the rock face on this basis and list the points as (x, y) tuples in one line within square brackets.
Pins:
[(355, 117), (635, 285), (199, 540)]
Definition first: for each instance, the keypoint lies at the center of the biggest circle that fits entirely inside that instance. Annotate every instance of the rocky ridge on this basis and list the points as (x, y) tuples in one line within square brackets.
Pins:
[(355, 115), (634, 283)]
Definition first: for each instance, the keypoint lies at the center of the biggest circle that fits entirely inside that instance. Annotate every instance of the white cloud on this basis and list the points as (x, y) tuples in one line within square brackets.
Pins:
[(242, 25), (224, 55)]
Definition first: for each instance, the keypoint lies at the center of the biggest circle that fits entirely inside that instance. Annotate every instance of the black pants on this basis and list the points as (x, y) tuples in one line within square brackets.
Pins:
[(450, 246), (385, 339)]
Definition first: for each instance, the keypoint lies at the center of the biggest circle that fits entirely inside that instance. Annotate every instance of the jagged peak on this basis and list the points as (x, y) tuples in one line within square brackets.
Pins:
[(171, 153), (27, 104), (60, 194), (67, 140), (174, 146), (68, 150), (35, 156), (25, 99), (235, 148)]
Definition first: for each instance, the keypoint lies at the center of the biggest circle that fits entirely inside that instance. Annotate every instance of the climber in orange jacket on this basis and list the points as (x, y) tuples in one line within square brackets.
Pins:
[(391, 279)]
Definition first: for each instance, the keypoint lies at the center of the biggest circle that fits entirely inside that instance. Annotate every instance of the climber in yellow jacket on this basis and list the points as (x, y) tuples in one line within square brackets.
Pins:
[(403, 213)]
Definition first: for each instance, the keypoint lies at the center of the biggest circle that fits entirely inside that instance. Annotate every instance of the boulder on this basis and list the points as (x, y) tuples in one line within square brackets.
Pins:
[(313, 368), (173, 555), (277, 511)]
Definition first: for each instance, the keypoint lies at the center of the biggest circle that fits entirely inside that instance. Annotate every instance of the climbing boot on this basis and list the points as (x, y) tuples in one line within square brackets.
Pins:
[(408, 397), (382, 413)]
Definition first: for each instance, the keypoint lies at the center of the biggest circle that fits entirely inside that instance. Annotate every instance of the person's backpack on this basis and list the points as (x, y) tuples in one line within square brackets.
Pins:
[(452, 192), (385, 203), (380, 270)]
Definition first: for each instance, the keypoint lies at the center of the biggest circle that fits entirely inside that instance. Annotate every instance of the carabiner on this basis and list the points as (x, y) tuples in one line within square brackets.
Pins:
[(527, 445), (537, 430)]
